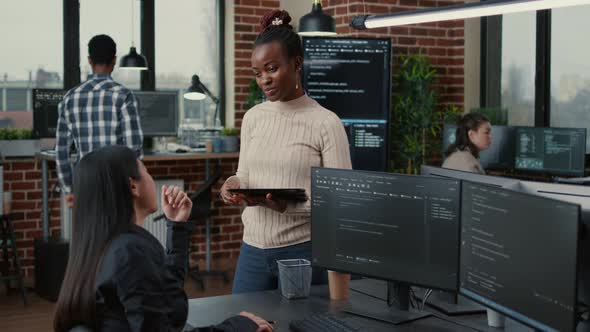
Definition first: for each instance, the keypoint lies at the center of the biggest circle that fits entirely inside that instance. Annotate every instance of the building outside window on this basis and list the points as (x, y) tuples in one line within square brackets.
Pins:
[(186, 37), (32, 40), (113, 18), (570, 71), (518, 68)]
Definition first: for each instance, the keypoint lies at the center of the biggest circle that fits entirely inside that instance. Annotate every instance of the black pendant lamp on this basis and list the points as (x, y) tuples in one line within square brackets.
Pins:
[(133, 60), (317, 23)]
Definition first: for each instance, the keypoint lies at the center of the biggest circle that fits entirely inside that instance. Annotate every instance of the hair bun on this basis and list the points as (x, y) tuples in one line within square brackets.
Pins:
[(276, 18)]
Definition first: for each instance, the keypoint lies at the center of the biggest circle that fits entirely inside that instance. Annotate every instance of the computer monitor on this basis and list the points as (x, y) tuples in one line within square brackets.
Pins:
[(158, 111), (351, 77), (386, 226), (578, 195), (45, 111), (474, 177), (518, 255), (560, 151), (500, 154)]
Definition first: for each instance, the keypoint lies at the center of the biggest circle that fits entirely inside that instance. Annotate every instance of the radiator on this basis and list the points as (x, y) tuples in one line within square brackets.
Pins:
[(158, 228)]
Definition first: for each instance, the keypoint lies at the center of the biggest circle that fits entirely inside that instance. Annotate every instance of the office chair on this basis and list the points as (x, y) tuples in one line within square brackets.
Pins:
[(202, 209), (8, 243)]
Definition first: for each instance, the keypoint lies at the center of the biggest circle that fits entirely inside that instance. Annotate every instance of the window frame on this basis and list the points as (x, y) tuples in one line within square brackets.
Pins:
[(71, 47)]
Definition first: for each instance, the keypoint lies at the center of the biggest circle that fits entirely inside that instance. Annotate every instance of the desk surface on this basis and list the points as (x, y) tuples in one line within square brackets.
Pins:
[(272, 306), (165, 156)]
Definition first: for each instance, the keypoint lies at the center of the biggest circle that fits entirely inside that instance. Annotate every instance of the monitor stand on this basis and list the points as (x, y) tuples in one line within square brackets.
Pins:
[(448, 303), (398, 310)]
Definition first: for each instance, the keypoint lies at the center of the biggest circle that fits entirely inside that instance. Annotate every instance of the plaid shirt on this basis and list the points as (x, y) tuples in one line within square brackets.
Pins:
[(97, 113)]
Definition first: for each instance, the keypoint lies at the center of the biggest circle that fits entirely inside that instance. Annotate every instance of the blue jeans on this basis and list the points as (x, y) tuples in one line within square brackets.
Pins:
[(257, 268)]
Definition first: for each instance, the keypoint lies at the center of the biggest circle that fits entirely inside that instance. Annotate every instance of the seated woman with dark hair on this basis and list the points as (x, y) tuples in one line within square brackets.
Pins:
[(473, 135), (118, 277)]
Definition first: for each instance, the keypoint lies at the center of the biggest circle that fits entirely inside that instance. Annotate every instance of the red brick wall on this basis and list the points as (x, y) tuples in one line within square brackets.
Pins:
[(247, 14), (22, 177), (442, 42)]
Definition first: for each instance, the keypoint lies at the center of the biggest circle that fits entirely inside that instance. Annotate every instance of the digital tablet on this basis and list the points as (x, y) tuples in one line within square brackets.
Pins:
[(297, 195)]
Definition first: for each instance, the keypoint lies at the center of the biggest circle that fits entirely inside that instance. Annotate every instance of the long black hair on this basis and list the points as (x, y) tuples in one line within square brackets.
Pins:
[(103, 208), (275, 27), (469, 121)]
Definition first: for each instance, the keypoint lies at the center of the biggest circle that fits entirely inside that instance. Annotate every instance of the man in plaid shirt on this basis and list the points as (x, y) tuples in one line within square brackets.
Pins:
[(96, 113)]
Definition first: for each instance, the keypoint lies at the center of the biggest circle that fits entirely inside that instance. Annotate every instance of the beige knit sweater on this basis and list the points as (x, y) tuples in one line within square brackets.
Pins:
[(280, 143)]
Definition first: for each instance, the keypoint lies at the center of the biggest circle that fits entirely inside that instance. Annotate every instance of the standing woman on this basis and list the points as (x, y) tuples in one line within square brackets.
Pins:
[(473, 135), (281, 140)]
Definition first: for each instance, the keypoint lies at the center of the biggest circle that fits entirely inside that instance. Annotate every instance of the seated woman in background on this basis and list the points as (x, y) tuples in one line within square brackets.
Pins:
[(474, 134), (118, 277)]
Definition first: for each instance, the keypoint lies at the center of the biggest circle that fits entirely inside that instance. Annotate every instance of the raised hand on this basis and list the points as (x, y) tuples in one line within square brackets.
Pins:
[(176, 204)]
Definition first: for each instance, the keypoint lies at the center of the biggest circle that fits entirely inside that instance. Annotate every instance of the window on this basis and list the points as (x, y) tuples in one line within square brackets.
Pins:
[(32, 44), (113, 18), (186, 38), (518, 67), (570, 71)]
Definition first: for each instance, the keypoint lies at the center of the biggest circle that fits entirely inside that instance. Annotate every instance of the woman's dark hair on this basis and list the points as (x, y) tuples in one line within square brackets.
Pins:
[(469, 121), (103, 208), (275, 27)]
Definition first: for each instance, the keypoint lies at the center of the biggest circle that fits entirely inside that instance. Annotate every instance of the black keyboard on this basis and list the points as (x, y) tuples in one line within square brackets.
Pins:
[(322, 323)]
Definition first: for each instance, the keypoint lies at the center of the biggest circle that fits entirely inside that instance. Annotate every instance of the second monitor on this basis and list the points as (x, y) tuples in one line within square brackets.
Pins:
[(551, 150)]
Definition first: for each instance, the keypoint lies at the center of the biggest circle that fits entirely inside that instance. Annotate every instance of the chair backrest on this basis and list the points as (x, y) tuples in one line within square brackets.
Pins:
[(202, 198)]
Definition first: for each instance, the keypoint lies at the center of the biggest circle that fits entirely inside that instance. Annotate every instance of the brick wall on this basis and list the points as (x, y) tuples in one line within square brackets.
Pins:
[(442, 42), (247, 14), (22, 177)]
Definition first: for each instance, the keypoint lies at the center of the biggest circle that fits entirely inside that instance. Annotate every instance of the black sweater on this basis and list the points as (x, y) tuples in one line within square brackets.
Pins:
[(141, 288)]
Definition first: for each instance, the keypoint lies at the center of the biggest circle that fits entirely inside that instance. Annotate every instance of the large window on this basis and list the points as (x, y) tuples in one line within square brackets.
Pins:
[(570, 70), (186, 37), (116, 19), (518, 67), (32, 46)]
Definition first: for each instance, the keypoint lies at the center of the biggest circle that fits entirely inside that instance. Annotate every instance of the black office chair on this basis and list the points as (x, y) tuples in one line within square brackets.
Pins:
[(202, 199), (8, 243)]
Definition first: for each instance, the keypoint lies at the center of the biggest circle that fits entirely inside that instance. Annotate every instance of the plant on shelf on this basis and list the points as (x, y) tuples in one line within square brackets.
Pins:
[(416, 126), (230, 139), (230, 131), (8, 134), (255, 95), (18, 142)]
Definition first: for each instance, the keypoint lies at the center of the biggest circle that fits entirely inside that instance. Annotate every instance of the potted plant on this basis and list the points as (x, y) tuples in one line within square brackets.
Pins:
[(229, 139), (416, 125), (18, 143), (255, 95)]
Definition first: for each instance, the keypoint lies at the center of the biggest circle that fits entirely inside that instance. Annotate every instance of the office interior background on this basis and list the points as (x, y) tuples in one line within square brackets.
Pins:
[(533, 65)]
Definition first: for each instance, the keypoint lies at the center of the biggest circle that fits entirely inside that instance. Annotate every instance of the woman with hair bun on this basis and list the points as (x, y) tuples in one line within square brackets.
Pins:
[(281, 140)]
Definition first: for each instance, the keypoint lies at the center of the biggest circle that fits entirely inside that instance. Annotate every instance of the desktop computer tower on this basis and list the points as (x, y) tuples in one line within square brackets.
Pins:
[(51, 259)]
